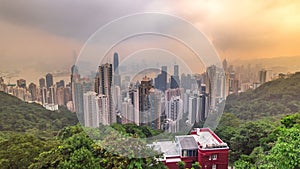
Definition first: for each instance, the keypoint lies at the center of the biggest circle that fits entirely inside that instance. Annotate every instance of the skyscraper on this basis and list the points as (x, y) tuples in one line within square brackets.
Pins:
[(52, 95), (116, 63), (192, 109), (33, 91), (155, 109), (161, 79), (144, 104), (262, 76), (42, 82), (175, 81), (176, 70), (175, 108), (91, 114), (103, 107), (225, 65), (77, 98), (134, 98), (117, 78), (49, 80), (103, 85), (60, 96)]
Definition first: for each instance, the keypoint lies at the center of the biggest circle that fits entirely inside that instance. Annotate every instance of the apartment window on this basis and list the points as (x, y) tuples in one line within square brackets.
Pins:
[(214, 156), (214, 166)]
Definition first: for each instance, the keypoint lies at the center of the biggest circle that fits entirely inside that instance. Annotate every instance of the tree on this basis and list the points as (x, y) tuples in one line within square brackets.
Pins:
[(19, 150), (196, 165), (285, 153), (181, 164)]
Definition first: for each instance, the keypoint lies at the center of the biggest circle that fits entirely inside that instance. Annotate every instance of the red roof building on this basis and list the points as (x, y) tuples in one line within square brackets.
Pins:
[(202, 145)]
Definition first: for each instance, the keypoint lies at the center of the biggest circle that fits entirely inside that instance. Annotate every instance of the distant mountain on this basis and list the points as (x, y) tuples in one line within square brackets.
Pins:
[(19, 116), (282, 64), (278, 97)]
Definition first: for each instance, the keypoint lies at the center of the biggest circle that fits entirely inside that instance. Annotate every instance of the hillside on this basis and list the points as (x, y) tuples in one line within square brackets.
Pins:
[(19, 116), (273, 98)]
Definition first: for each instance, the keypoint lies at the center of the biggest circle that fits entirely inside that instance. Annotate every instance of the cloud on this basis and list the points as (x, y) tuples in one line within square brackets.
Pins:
[(69, 18)]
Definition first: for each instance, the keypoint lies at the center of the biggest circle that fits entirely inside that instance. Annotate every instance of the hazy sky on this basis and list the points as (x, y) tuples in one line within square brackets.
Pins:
[(40, 36)]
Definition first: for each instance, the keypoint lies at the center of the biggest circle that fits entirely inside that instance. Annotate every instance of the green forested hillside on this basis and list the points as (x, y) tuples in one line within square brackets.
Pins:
[(273, 98), (33, 137), (19, 116)]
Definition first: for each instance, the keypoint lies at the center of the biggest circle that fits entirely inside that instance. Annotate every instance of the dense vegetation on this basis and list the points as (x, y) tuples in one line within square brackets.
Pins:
[(262, 144), (273, 98), (33, 137), (19, 116)]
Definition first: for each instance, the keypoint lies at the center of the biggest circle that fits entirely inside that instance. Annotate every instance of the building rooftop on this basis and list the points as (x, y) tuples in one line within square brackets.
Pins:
[(207, 139), (187, 142), (169, 148)]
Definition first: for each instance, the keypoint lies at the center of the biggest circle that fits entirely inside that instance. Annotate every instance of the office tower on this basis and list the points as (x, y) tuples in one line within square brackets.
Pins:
[(117, 78), (77, 98), (144, 105), (103, 107), (74, 74), (221, 84), (155, 109), (202, 107), (175, 81), (161, 79), (262, 76), (116, 63), (134, 98), (192, 109), (176, 70), (33, 91), (21, 83), (103, 85), (186, 81), (49, 80), (164, 76), (91, 115), (212, 85), (42, 82)]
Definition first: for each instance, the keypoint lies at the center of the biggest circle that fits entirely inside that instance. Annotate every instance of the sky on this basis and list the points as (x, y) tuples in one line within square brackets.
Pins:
[(42, 36)]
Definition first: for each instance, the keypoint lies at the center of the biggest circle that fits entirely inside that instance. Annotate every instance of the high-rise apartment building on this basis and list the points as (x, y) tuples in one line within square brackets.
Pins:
[(49, 80), (103, 86), (42, 82), (33, 91), (91, 113), (262, 76)]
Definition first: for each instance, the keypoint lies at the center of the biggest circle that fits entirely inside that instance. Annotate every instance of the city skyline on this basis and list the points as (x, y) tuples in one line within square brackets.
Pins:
[(238, 30)]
